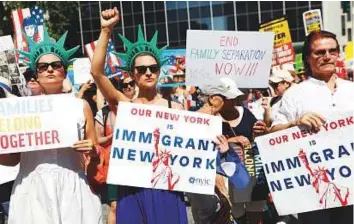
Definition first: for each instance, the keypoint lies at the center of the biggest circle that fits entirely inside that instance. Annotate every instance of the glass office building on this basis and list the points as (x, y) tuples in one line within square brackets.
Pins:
[(173, 18)]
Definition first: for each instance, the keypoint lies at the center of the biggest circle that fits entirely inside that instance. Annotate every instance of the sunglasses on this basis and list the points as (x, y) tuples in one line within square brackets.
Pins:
[(131, 84), (142, 69), (43, 66), (321, 53)]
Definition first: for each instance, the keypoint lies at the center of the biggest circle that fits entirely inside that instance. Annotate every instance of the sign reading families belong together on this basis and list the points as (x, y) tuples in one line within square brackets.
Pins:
[(243, 56), (165, 149), (38, 123), (310, 171)]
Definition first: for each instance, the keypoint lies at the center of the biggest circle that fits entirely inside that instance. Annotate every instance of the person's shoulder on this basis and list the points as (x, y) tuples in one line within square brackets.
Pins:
[(346, 83), (298, 90)]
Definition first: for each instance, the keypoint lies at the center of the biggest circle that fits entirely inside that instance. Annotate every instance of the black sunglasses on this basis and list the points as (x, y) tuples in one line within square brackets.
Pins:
[(131, 84), (43, 66), (142, 69)]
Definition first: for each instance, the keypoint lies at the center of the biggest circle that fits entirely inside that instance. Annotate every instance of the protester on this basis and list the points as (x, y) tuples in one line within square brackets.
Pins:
[(51, 186), (215, 209), (128, 87), (238, 126), (88, 92), (280, 81), (138, 205), (310, 103)]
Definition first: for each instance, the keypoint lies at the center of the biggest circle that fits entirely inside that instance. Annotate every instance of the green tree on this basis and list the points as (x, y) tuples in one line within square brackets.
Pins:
[(59, 17)]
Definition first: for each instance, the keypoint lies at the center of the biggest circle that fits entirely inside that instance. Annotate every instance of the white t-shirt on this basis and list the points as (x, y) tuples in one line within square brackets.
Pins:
[(314, 95)]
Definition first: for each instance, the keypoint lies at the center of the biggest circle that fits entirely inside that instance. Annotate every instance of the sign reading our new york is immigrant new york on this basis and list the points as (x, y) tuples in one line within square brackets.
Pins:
[(161, 148), (310, 171), (243, 56), (38, 123)]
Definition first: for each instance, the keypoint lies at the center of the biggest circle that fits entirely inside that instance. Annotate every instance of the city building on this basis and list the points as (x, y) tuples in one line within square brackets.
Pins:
[(173, 18)]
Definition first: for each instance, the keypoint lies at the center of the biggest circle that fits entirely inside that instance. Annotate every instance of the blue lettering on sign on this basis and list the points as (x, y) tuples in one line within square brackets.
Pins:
[(343, 151), (131, 154), (146, 139), (303, 179), (345, 171), (118, 153), (288, 183), (146, 156), (210, 164), (275, 186)]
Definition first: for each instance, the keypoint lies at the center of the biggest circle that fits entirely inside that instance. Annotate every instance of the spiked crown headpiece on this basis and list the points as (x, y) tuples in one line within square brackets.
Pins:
[(139, 47), (47, 46)]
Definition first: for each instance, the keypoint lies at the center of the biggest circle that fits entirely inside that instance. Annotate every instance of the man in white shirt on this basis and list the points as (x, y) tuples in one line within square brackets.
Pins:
[(310, 103)]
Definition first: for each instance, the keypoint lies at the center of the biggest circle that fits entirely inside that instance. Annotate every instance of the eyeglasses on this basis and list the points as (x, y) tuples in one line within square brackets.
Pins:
[(131, 84), (142, 69), (43, 66), (321, 53)]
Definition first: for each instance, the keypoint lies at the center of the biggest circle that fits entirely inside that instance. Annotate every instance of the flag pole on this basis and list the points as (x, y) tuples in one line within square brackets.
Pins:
[(81, 33)]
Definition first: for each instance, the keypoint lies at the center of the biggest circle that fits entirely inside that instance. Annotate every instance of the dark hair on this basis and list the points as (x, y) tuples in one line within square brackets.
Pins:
[(88, 96), (306, 49), (29, 74), (115, 82)]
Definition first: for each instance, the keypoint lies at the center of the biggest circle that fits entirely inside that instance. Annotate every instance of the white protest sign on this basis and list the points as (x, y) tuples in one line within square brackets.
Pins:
[(245, 57), (38, 123), (6, 43), (8, 173), (161, 148), (307, 171), (82, 70)]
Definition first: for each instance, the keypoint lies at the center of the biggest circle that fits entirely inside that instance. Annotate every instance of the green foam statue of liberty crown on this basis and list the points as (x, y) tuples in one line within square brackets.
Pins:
[(47, 46), (139, 47)]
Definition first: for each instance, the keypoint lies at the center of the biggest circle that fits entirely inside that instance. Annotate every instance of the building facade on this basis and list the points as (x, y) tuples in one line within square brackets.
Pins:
[(173, 18)]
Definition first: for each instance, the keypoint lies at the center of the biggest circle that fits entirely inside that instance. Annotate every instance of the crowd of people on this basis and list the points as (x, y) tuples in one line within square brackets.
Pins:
[(69, 185)]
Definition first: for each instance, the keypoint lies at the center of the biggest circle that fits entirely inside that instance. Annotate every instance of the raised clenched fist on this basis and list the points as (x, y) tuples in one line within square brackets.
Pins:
[(109, 18)]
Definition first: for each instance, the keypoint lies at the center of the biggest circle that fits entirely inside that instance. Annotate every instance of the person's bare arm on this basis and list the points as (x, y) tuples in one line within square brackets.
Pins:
[(312, 121), (102, 140), (109, 18), (100, 100)]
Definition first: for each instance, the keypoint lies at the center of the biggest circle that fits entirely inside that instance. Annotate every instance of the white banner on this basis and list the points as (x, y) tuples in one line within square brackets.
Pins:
[(160, 148), (38, 123), (245, 57), (6, 43), (310, 171), (8, 173), (82, 70)]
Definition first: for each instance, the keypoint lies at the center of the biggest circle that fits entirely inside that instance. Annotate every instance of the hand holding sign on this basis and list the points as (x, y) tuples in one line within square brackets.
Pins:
[(83, 146), (311, 120), (222, 144)]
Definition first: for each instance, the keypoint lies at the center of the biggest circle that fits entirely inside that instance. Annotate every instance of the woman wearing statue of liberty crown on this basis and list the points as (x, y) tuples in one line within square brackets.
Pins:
[(143, 61), (51, 186), (139, 205)]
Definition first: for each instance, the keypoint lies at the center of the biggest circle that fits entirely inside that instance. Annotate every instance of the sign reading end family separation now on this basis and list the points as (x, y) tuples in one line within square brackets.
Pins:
[(161, 148), (310, 171), (245, 57), (38, 123)]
